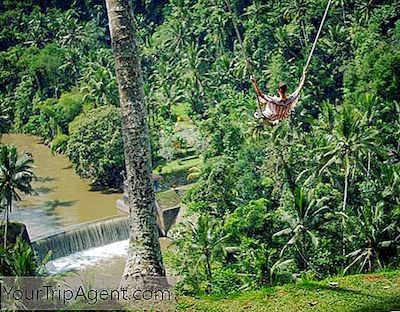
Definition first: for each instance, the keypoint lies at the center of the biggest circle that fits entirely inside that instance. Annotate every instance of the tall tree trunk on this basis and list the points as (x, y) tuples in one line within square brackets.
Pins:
[(144, 260), (346, 186), (303, 28), (5, 228), (369, 163), (7, 214), (343, 14), (346, 183)]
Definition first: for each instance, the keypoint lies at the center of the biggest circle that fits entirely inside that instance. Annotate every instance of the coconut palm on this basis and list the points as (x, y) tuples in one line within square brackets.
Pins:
[(377, 234), (99, 87), (201, 242), (364, 9), (37, 29), (193, 61), (302, 221), (297, 10), (144, 262), (347, 146), (15, 176), (174, 37), (342, 4)]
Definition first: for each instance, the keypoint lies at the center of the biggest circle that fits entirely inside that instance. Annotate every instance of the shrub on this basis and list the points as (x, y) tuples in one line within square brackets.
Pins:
[(59, 143), (95, 146), (21, 260)]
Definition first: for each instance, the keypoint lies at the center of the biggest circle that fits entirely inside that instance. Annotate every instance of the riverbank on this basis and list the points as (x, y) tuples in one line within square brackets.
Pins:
[(63, 199), (354, 293)]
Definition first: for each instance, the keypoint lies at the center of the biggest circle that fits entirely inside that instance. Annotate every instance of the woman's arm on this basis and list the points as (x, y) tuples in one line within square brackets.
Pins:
[(255, 85), (263, 97)]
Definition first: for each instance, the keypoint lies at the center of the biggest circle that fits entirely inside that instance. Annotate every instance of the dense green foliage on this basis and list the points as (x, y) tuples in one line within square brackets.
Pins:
[(15, 179), (17, 257), (21, 260), (315, 195), (95, 145)]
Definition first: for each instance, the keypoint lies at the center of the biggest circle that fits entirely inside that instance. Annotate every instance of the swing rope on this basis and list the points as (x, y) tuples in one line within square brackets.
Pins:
[(317, 37), (239, 37), (248, 63), (249, 68)]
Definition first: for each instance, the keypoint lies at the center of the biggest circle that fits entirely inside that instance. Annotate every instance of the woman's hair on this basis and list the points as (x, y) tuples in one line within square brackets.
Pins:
[(283, 87)]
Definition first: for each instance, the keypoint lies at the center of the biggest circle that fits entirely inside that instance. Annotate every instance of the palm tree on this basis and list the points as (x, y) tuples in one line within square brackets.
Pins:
[(200, 243), (173, 36), (347, 145), (37, 30), (304, 219), (342, 4), (193, 61), (99, 87), (281, 155), (166, 97), (364, 9), (15, 176), (377, 235), (297, 10), (144, 261)]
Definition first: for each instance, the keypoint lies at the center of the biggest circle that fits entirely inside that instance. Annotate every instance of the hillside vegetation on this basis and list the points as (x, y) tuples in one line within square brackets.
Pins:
[(316, 195), (369, 292)]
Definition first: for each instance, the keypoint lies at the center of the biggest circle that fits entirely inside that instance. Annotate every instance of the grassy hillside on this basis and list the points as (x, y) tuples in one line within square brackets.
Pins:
[(361, 293)]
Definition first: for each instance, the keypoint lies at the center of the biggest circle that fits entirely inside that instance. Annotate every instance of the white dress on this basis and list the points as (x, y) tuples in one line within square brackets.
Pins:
[(277, 109)]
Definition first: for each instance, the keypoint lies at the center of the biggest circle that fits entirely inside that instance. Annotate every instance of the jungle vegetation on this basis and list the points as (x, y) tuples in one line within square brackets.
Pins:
[(316, 195)]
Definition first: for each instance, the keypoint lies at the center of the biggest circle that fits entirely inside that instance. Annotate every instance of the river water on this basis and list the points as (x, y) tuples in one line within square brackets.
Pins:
[(63, 199)]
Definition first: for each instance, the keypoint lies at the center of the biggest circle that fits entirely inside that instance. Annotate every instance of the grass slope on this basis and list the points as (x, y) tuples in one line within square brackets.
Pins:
[(356, 293), (168, 199)]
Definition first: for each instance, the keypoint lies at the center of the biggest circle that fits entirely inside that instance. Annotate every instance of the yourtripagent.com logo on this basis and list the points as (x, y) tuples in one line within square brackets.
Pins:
[(46, 293)]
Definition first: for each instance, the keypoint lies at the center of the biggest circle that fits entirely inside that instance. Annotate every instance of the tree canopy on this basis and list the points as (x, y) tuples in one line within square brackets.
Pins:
[(317, 194)]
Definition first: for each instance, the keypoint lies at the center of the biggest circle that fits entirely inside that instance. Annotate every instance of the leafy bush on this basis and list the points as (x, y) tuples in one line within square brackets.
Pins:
[(68, 106), (59, 143), (20, 260), (95, 146)]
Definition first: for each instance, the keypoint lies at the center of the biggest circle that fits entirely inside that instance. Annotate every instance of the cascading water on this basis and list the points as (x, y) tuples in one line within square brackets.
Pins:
[(84, 237)]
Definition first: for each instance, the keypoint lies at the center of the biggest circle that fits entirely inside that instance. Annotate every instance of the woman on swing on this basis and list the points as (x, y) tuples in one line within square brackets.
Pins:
[(277, 107)]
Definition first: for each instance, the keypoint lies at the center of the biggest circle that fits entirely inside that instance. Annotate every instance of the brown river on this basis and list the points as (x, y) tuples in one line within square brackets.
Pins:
[(63, 199)]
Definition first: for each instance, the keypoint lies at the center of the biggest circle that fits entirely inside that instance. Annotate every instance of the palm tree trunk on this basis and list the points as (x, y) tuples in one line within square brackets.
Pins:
[(346, 186), (8, 209), (5, 229), (144, 260), (303, 28), (208, 268), (208, 264), (343, 14)]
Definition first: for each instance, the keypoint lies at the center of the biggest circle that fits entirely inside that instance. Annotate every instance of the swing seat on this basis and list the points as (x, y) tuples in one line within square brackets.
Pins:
[(272, 119), (260, 115), (276, 109)]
